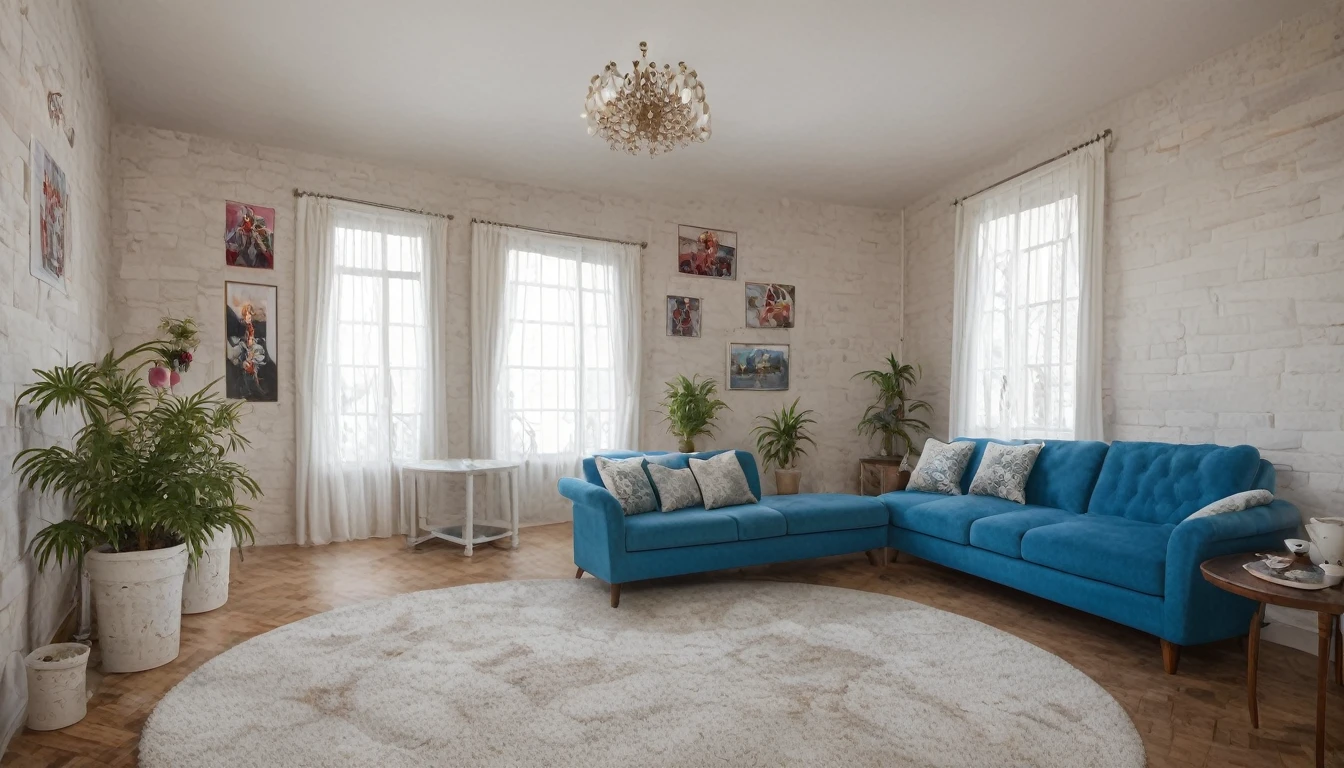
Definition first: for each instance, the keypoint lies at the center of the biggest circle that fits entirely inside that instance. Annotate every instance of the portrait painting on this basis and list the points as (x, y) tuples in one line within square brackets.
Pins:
[(683, 316), (49, 223), (770, 305), (707, 252), (249, 342), (762, 367), (249, 235)]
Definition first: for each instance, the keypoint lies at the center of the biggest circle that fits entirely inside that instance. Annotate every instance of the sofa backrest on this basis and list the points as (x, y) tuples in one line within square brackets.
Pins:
[(674, 461), (1265, 479), (1064, 474), (1165, 482)]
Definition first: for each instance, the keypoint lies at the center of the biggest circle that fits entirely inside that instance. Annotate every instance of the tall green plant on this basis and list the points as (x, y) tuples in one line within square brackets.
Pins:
[(149, 469), (689, 408), (780, 436), (890, 416)]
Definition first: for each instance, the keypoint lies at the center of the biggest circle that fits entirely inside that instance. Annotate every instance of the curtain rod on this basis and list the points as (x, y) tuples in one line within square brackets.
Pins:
[(1106, 134), (305, 193), (641, 244)]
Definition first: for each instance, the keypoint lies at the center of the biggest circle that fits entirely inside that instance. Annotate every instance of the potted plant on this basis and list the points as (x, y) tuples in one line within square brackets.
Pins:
[(149, 484), (890, 416), (779, 441), (689, 407)]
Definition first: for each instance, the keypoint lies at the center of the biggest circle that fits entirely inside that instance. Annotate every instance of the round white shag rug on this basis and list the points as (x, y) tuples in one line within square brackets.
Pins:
[(545, 673)]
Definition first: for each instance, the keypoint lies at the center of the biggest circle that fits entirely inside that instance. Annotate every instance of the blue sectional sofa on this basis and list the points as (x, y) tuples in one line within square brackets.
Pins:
[(1102, 531)]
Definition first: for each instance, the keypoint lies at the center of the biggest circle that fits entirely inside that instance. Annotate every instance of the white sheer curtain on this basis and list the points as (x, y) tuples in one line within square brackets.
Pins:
[(369, 333), (1026, 340), (555, 355)]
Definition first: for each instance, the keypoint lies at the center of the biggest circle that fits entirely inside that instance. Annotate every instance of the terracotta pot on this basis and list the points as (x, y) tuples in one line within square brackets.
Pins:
[(138, 599), (686, 445), (787, 480)]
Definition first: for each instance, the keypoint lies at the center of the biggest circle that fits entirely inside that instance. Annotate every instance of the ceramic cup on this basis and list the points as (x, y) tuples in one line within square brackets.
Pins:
[(1334, 574), (1297, 546)]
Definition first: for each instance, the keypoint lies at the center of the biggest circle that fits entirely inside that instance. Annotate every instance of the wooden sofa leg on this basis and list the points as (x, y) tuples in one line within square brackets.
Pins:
[(1171, 656), (579, 575), (872, 557), (895, 553), (615, 595)]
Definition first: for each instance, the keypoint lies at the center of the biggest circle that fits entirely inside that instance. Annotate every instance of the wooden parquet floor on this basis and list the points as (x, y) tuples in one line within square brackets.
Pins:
[(1196, 718)]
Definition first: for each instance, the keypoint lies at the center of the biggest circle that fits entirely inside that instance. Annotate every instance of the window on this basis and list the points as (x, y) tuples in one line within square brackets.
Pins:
[(379, 360)]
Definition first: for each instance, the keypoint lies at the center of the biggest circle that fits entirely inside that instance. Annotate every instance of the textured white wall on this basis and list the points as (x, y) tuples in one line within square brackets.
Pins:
[(169, 226), (1224, 289), (40, 327)]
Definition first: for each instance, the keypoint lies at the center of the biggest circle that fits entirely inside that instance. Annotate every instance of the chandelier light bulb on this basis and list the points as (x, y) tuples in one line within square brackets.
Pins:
[(648, 109)]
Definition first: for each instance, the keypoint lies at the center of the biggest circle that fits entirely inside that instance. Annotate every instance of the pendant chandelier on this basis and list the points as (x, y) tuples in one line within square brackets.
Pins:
[(649, 109)]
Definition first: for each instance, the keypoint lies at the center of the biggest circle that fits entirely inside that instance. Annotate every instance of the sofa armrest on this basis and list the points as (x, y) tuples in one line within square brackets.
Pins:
[(1195, 610), (599, 526)]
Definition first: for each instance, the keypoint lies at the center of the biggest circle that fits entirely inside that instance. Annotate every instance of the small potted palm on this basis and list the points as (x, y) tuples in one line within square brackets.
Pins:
[(149, 483), (689, 408), (779, 441), (891, 417)]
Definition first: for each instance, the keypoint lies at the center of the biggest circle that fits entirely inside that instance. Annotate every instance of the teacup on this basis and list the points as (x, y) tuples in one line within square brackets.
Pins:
[(1334, 574)]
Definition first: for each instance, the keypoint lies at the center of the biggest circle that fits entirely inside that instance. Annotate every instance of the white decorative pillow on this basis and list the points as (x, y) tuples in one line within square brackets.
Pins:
[(722, 481), (1004, 470), (941, 466), (626, 480), (1235, 503), (677, 488)]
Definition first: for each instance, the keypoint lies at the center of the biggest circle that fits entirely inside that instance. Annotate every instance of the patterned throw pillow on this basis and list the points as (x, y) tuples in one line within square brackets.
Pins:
[(722, 481), (1004, 470), (626, 480), (1235, 503), (940, 467), (677, 488)]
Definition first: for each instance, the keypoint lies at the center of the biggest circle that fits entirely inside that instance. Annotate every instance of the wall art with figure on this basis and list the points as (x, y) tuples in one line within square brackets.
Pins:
[(707, 252), (49, 230), (249, 334), (683, 316), (249, 235)]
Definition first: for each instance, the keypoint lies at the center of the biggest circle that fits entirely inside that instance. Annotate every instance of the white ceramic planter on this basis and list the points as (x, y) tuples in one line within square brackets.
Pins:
[(138, 600), (207, 584), (56, 695)]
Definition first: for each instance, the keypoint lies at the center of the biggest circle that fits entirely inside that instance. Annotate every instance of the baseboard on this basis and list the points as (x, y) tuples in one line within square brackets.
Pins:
[(1292, 628)]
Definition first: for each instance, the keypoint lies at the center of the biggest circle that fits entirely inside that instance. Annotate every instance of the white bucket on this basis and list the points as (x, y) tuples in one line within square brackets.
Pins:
[(207, 584), (138, 600), (56, 697)]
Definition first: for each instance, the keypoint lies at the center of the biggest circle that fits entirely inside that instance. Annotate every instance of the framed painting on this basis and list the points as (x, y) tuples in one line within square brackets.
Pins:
[(249, 340), (683, 316), (760, 367), (770, 305), (249, 235), (49, 220), (706, 252)]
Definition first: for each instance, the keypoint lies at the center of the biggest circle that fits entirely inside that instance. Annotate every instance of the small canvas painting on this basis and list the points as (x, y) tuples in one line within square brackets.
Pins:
[(249, 335), (249, 235), (707, 252), (49, 231), (762, 367), (683, 316), (770, 305)]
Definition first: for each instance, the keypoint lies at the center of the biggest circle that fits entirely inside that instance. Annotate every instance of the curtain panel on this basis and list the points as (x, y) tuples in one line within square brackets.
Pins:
[(1027, 304)]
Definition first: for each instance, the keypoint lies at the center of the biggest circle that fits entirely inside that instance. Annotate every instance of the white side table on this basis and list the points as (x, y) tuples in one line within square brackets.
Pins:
[(416, 479)]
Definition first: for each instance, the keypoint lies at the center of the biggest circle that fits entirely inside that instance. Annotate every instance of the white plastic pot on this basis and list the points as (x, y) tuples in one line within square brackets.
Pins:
[(56, 695), (207, 584), (138, 600)]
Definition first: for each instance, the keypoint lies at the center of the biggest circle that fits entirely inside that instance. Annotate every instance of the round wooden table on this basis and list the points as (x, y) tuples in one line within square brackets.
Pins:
[(1227, 573)]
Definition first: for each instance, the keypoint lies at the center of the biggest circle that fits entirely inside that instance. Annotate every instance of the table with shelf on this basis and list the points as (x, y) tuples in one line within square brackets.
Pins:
[(883, 473), (417, 478)]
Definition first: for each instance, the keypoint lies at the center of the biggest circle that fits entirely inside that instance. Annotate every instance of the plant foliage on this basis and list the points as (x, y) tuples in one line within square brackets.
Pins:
[(690, 405), (891, 416), (148, 469), (780, 436)]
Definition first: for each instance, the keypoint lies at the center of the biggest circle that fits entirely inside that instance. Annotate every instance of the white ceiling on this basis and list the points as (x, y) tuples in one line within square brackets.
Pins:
[(863, 102)]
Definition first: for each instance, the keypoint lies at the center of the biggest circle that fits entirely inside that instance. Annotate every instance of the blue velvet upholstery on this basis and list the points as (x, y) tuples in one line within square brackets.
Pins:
[(1003, 533), (951, 517), (1116, 550), (754, 521), (897, 502), (1264, 478), (682, 528), (1164, 483), (817, 512)]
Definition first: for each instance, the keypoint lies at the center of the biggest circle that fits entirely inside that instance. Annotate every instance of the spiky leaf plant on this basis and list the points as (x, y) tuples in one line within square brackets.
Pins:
[(890, 416), (689, 408), (780, 436)]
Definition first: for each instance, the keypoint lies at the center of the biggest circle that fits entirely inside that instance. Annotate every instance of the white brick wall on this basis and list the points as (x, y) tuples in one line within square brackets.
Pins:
[(169, 225), (39, 326), (1224, 295)]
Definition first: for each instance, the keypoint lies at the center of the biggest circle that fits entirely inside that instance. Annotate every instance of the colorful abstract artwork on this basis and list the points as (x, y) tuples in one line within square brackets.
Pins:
[(707, 252), (770, 305), (49, 233), (683, 316), (249, 335), (249, 235), (762, 367)]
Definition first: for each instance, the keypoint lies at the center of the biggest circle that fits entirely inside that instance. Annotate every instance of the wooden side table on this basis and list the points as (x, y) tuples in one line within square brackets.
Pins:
[(881, 474), (1227, 573)]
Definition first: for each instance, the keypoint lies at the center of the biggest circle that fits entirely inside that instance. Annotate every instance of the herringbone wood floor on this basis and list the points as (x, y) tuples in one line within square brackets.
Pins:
[(1196, 718)]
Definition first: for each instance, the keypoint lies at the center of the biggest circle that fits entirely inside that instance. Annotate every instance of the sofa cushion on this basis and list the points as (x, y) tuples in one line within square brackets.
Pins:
[(817, 512), (1064, 474), (675, 461), (683, 528), (629, 483), (755, 521), (1004, 470), (722, 481), (1003, 533), (1163, 483), (941, 467), (1127, 553), (950, 518), (897, 502)]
